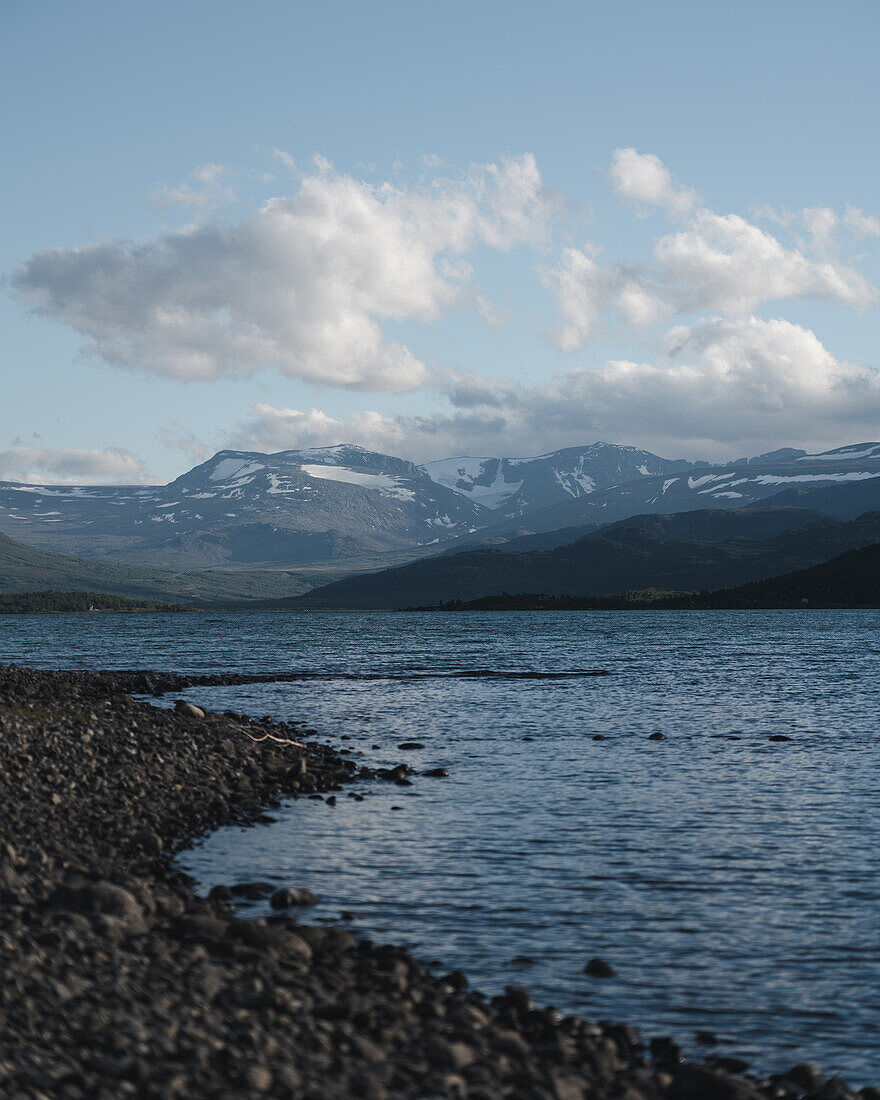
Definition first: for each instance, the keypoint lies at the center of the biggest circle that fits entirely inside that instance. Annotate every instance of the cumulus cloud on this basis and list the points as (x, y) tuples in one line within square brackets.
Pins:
[(36, 465), (723, 262), (715, 263), (644, 179), (269, 428), (585, 290), (821, 221), (304, 285), (865, 224), (720, 389)]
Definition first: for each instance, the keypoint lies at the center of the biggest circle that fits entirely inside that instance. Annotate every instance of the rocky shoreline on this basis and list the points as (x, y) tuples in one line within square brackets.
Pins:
[(118, 980)]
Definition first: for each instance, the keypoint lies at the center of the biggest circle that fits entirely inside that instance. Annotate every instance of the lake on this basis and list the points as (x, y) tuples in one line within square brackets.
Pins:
[(732, 881)]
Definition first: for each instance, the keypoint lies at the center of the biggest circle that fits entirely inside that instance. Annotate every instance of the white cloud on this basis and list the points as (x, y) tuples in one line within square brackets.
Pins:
[(305, 285), (717, 263), (585, 291), (269, 428), (863, 223), (723, 262), (644, 179), (204, 198), (70, 465), (285, 158), (821, 221), (723, 388)]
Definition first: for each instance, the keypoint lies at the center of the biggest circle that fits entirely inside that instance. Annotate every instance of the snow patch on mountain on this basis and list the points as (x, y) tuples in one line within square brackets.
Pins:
[(386, 484), (785, 479), (846, 454), (229, 468)]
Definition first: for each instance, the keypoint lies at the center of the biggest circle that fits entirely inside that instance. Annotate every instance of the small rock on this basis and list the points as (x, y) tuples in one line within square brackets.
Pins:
[(522, 960), (190, 710), (436, 773), (599, 737), (657, 737), (259, 1078), (730, 1064), (291, 898), (150, 843), (707, 1038), (779, 737), (252, 890), (665, 1052), (599, 968), (202, 927), (806, 1075), (408, 745), (700, 1083)]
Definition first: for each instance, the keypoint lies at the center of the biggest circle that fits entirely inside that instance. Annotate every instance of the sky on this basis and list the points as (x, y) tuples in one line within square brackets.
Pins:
[(434, 229)]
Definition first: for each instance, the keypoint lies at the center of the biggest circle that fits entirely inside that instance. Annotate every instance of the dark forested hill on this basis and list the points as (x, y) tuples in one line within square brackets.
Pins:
[(689, 552)]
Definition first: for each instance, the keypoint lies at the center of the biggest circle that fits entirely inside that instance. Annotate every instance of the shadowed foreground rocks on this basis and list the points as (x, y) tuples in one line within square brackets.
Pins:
[(118, 980)]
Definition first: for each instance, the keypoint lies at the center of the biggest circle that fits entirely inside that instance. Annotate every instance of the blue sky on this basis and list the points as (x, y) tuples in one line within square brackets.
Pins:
[(532, 226)]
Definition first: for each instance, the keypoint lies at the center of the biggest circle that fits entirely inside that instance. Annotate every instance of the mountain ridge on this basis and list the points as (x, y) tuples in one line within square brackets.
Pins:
[(316, 506), (693, 551)]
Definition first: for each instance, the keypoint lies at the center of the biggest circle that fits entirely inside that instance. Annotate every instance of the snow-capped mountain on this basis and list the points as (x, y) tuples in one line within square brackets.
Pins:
[(843, 482), (338, 503), (240, 506), (517, 486)]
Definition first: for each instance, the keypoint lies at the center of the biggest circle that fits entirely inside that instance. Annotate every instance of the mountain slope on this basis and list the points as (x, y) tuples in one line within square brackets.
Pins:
[(344, 504), (246, 507), (690, 552), (852, 579), (517, 486), (26, 569), (791, 481)]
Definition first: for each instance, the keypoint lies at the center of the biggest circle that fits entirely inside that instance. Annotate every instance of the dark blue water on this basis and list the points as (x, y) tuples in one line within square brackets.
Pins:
[(732, 881)]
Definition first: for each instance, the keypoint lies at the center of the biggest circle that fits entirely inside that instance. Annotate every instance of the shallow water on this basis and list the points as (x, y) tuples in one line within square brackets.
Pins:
[(731, 881)]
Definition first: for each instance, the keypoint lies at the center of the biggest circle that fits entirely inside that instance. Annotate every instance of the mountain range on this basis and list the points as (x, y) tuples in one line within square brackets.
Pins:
[(692, 551), (357, 509)]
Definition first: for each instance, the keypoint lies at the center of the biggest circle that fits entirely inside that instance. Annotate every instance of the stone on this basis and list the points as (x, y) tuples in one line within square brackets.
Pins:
[(665, 1052), (291, 898), (436, 773), (806, 1075), (599, 968), (692, 1082), (202, 927), (190, 710), (259, 1078), (730, 1064), (150, 843), (112, 901), (252, 891), (407, 746), (657, 737)]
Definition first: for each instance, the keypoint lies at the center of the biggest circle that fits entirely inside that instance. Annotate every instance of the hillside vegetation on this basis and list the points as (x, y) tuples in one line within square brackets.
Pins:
[(39, 603), (26, 569), (850, 580)]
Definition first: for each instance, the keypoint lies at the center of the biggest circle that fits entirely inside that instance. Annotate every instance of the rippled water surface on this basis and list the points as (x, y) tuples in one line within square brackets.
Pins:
[(731, 880)]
